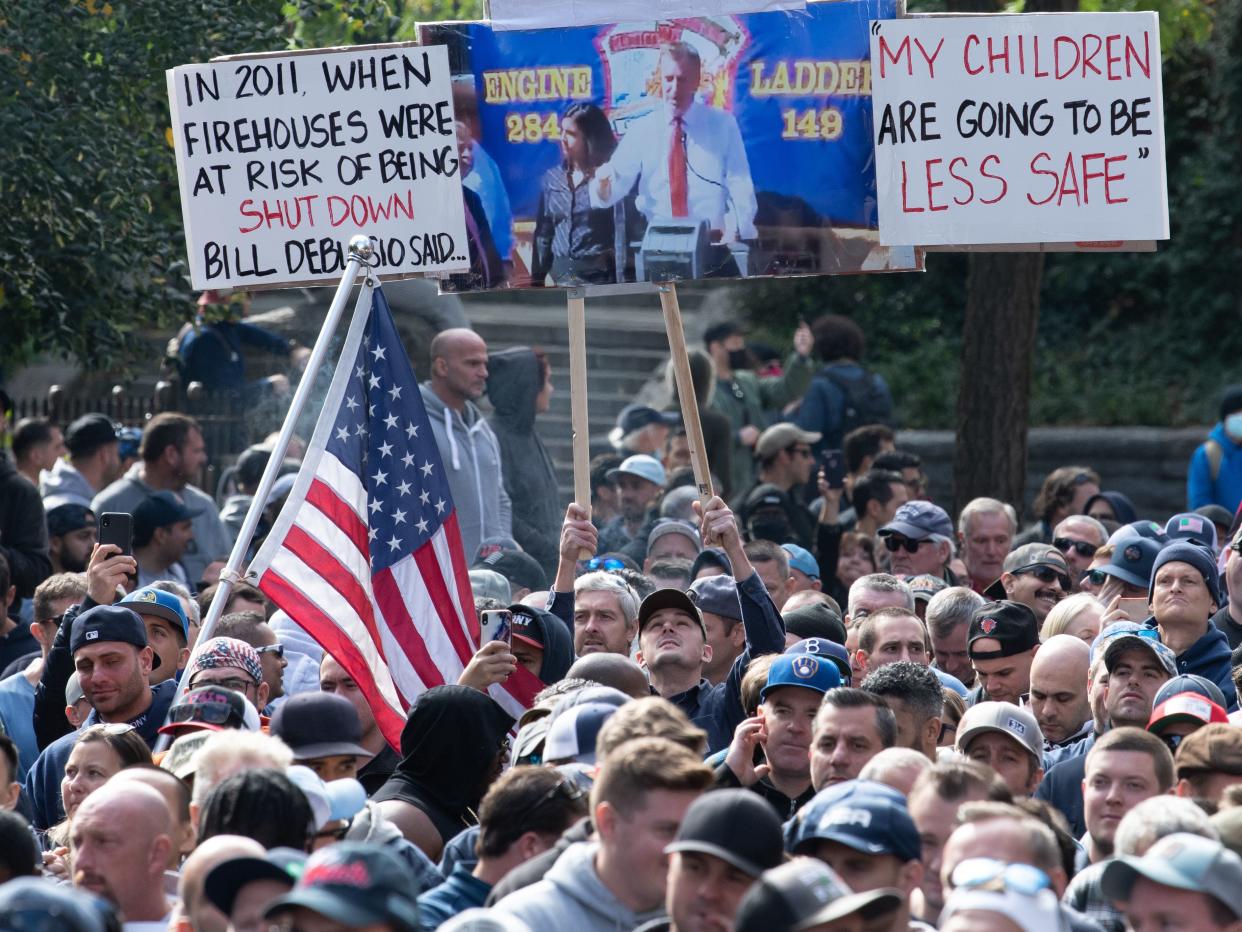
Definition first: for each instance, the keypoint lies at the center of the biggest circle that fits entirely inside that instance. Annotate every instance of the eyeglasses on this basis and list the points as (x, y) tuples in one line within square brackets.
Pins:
[(604, 563), (277, 649), (209, 713), (894, 543), (336, 834), (565, 788), (234, 684), (1080, 547), (988, 873), (1045, 574)]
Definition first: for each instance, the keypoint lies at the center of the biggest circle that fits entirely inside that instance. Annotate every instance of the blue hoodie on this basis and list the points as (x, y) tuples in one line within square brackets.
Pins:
[(1227, 489), (1209, 657)]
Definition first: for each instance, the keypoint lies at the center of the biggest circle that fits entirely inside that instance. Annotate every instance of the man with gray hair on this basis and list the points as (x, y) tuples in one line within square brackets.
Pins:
[(1079, 537), (948, 617), (985, 531)]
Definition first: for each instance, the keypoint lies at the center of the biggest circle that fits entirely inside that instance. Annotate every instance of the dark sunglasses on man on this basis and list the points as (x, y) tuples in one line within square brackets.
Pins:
[(1080, 547), (895, 542), (1045, 574)]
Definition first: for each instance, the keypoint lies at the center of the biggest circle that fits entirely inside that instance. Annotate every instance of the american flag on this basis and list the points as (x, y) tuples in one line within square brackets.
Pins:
[(366, 554)]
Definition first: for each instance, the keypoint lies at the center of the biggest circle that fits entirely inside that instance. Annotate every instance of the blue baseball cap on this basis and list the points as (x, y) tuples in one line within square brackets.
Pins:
[(718, 595), (1132, 560), (151, 601), (920, 519), (1148, 638), (822, 647), (1149, 530), (1192, 527), (800, 559), (867, 816), (640, 465), (805, 670)]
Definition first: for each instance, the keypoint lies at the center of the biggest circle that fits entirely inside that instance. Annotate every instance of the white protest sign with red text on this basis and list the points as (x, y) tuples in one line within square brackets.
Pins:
[(1037, 128), (281, 159)]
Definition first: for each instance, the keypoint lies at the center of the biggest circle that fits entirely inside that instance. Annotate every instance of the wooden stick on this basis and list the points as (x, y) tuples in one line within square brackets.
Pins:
[(578, 404), (685, 390)]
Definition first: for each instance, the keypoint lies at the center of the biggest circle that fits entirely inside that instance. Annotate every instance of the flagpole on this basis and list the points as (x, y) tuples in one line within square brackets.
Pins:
[(578, 403), (360, 250)]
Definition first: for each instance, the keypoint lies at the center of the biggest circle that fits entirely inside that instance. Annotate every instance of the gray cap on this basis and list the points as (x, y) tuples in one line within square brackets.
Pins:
[(1005, 718), (666, 526), (718, 595), (73, 689), (1184, 862), (488, 584)]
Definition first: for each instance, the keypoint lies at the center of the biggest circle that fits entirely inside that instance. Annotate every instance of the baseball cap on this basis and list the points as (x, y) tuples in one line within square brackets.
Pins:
[(526, 625), (765, 495), (1030, 557), (108, 623), (1191, 683), (865, 815), (1217, 514), (1216, 748), (73, 689), (925, 586), (666, 526), (917, 520), (1012, 624), (490, 545), (211, 708), (331, 800), (1144, 528), (181, 760), (737, 826), (780, 436), (521, 569), (1006, 719), (88, 433), (1132, 560), (822, 647), (1185, 707), (318, 724), (156, 511), (1194, 555), (225, 652), (800, 559), (640, 465), (815, 620), (1182, 861), (802, 669), (806, 892), (354, 884), (718, 595), (1192, 527), (224, 881), (571, 735), (636, 417), (1149, 638), (710, 556), (151, 601), (67, 517), (669, 598), (53, 906), (488, 584)]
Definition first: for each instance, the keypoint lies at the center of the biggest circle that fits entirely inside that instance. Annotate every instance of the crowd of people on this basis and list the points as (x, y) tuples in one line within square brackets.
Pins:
[(814, 700)]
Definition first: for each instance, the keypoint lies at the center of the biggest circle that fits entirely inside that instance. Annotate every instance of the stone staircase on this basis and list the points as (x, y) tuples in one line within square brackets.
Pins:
[(627, 349)]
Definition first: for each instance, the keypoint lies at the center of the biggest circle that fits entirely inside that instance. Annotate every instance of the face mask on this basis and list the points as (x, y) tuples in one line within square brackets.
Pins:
[(775, 531), (1233, 425), (738, 359)]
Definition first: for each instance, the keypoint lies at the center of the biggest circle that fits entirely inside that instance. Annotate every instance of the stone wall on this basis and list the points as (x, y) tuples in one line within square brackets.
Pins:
[(1146, 463)]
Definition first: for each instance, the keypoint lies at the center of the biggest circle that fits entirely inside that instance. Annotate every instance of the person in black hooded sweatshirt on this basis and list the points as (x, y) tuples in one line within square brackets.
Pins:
[(453, 745), (519, 386)]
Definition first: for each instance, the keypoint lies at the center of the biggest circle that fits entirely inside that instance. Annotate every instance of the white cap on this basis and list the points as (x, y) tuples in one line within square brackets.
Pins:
[(333, 801)]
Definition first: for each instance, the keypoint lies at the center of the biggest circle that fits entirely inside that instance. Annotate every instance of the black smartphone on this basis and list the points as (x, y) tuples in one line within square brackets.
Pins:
[(833, 463), (117, 527)]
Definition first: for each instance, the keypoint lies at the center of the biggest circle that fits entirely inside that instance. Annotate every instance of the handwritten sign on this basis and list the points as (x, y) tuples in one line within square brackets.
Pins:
[(282, 159), (1037, 128)]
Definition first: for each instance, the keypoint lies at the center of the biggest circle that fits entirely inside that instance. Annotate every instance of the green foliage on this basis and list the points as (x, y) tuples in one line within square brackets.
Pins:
[(325, 23)]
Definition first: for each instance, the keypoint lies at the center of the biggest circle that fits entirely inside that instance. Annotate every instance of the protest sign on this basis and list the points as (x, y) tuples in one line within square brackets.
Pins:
[(1036, 128), (557, 14), (282, 158), (575, 152)]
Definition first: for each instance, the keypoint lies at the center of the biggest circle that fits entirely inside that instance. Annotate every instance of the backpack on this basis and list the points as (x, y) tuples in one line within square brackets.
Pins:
[(864, 401)]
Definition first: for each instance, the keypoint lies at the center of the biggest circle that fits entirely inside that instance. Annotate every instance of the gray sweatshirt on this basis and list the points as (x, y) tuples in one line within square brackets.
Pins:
[(471, 458), (571, 896), (67, 485)]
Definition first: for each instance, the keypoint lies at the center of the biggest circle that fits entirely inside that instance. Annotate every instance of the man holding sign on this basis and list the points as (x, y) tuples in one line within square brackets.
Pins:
[(687, 158)]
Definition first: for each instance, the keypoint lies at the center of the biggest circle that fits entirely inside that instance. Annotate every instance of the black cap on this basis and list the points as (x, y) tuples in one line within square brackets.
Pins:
[(520, 568), (815, 620), (1011, 623), (668, 598), (88, 433), (67, 518), (109, 623), (636, 417), (224, 881), (316, 724), (526, 625), (157, 511), (354, 884), (806, 892), (251, 463), (737, 826)]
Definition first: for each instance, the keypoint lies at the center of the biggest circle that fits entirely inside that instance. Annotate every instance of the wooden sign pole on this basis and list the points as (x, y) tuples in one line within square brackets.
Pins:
[(575, 298), (685, 390)]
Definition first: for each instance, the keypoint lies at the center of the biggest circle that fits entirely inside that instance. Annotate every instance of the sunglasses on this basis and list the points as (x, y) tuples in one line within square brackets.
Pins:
[(894, 543), (234, 684), (209, 713), (1172, 741), (564, 789), (277, 649), (1046, 574), (604, 563), (1080, 547), (1097, 578), (990, 874)]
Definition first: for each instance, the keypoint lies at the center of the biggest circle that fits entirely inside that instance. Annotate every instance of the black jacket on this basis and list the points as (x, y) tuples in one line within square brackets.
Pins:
[(530, 478), (23, 530)]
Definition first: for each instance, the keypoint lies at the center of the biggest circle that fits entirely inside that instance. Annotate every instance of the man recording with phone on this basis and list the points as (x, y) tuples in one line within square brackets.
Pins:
[(786, 464)]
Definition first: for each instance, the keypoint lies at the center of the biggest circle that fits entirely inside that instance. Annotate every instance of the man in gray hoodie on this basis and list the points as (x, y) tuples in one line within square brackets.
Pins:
[(468, 448), (617, 881)]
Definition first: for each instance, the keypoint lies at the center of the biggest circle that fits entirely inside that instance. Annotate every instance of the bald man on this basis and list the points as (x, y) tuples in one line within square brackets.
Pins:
[(1059, 696), (176, 797), (120, 840), (468, 448), (195, 910), (612, 670)]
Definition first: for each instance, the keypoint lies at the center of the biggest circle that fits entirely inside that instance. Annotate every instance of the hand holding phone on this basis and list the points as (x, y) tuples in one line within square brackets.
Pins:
[(117, 528), (495, 624), (1136, 609), (833, 464)]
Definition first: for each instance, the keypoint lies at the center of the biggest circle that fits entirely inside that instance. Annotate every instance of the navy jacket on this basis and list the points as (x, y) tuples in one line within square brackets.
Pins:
[(1209, 657)]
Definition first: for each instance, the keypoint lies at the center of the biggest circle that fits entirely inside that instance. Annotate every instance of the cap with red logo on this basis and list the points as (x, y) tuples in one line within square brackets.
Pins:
[(355, 884), (1185, 707), (1011, 625)]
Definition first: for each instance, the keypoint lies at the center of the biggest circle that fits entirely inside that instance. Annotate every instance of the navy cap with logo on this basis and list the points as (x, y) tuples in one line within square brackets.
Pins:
[(718, 595), (1132, 560), (867, 816), (317, 724), (157, 511), (108, 623), (1011, 624), (803, 669), (805, 893), (669, 598), (354, 884), (831, 650), (919, 519), (737, 826), (636, 417), (526, 626)]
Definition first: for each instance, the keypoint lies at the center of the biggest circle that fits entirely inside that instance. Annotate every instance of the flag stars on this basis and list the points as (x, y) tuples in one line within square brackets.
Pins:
[(385, 449), (380, 477), (395, 392), (378, 353), (375, 505), (371, 532), (394, 543), (374, 381), (342, 433), (398, 517), (350, 403), (411, 431), (404, 488), (361, 429), (426, 468), (391, 421), (359, 372), (422, 526), (425, 497), (408, 460), (440, 507)]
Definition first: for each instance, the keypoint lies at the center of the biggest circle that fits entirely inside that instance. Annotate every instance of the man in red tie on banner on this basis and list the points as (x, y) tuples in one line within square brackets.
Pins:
[(687, 158)]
